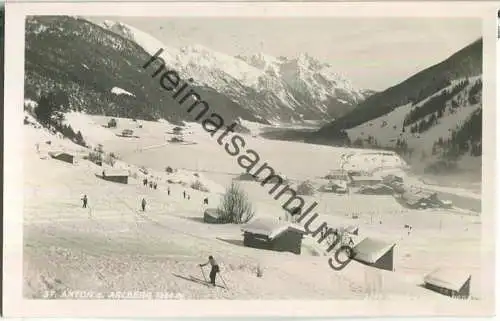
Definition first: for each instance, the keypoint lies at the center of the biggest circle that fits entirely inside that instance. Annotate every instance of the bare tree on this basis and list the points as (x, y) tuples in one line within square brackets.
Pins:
[(235, 207)]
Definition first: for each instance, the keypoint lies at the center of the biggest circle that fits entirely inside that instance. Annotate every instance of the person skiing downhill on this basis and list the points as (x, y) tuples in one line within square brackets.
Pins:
[(214, 270), (143, 204)]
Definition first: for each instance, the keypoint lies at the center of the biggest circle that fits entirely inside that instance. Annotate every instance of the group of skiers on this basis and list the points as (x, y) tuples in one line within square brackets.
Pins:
[(152, 184)]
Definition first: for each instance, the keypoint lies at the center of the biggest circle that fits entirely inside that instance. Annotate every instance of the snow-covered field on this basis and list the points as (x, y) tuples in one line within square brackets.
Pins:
[(113, 247)]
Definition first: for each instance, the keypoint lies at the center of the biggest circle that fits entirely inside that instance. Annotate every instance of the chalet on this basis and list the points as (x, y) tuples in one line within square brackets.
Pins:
[(273, 235), (212, 216), (62, 156), (358, 181), (449, 282), (115, 175), (375, 253)]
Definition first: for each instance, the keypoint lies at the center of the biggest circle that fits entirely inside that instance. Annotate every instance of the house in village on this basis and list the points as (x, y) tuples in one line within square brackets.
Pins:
[(127, 133), (376, 253), (115, 175), (351, 229), (273, 235), (63, 156), (378, 189), (338, 175), (450, 282), (337, 186), (390, 179), (358, 181), (420, 199)]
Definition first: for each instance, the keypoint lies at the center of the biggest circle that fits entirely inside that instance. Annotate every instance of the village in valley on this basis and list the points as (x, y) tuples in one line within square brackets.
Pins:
[(123, 202)]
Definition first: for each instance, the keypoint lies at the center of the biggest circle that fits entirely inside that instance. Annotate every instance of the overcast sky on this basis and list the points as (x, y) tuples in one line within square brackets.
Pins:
[(373, 53)]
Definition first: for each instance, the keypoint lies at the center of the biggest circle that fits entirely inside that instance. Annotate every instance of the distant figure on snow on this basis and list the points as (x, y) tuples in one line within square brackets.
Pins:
[(189, 197), (143, 205), (103, 174), (155, 185), (168, 191), (85, 200), (205, 200), (145, 182), (214, 270), (184, 194), (150, 184)]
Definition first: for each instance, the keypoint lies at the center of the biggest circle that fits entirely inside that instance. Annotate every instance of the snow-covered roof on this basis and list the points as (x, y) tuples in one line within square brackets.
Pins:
[(116, 172), (371, 250), (366, 178), (452, 279), (271, 228), (59, 153), (213, 212)]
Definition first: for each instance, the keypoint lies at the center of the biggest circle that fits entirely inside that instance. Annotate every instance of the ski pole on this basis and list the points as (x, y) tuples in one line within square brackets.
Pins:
[(204, 277), (223, 280)]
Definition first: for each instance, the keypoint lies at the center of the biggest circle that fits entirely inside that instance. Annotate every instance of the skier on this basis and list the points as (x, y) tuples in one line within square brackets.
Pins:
[(145, 182), (143, 204), (155, 185), (168, 191), (103, 174), (214, 270), (184, 194), (84, 199), (150, 184)]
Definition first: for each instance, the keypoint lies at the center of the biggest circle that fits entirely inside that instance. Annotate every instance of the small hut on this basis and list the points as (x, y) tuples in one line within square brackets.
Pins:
[(351, 229), (115, 175), (62, 156), (273, 235), (212, 216), (127, 133), (449, 282), (376, 253)]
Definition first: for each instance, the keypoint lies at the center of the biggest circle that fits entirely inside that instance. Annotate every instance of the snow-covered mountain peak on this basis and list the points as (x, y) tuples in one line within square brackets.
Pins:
[(264, 83)]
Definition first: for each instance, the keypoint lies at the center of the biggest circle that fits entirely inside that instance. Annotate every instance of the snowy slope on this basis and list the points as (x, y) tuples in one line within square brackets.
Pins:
[(271, 88), (111, 246), (386, 130)]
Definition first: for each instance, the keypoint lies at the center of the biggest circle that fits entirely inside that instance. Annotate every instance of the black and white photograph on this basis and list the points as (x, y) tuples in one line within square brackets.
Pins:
[(224, 158)]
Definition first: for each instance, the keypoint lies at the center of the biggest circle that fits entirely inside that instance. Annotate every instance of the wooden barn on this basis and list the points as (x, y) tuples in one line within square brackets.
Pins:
[(211, 215), (376, 253), (115, 175), (62, 156), (450, 282), (273, 235)]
